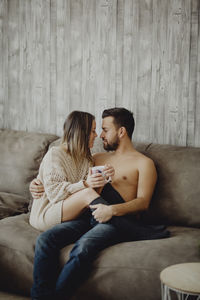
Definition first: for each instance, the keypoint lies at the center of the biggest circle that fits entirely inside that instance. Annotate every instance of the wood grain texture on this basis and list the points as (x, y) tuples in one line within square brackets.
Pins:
[(59, 56), (3, 62), (196, 70)]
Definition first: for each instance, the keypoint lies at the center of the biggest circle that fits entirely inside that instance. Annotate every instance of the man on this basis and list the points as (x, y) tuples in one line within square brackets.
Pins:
[(135, 174), (115, 213)]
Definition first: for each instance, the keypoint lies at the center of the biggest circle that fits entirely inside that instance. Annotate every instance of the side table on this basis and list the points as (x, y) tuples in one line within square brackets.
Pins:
[(183, 279)]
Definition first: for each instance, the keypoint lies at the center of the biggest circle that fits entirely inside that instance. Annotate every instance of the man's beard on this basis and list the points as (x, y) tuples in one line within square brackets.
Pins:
[(112, 146)]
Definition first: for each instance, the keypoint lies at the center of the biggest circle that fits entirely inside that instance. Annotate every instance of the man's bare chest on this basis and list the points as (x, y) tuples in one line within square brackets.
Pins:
[(126, 172)]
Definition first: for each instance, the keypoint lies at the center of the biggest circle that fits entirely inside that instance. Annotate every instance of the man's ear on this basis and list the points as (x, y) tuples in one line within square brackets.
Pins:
[(122, 132)]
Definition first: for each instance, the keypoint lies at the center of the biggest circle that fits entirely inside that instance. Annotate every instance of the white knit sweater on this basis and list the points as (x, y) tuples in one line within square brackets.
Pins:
[(61, 178)]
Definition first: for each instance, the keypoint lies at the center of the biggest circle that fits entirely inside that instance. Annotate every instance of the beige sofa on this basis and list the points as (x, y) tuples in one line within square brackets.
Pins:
[(127, 271)]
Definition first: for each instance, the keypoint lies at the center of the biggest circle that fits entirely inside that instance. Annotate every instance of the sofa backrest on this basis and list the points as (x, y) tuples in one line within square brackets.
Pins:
[(20, 156), (177, 194), (176, 200)]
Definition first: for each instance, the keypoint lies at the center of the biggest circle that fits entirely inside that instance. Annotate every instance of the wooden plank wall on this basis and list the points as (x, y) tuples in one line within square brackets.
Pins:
[(60, 55)]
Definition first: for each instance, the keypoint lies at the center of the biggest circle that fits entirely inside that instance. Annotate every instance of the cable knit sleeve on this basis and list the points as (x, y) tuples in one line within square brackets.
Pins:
[(56, 184)]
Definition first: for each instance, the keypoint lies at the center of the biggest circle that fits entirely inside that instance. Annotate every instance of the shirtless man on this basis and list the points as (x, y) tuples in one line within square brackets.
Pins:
[(114, 217), (135, 174)]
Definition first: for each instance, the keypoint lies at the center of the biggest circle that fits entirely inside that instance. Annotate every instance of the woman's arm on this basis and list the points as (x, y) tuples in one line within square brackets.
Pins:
[(55, 175)]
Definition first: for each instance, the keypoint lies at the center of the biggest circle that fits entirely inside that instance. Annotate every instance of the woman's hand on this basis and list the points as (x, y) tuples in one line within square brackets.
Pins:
[(36, 188), (95, 180), (109, 172)]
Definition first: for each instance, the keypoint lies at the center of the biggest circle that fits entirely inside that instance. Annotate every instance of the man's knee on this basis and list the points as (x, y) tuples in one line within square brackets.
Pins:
[(84, 249), (41, 241), (45, 240)]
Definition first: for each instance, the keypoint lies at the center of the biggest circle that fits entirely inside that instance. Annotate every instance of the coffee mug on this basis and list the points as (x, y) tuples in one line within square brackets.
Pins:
[(99, 169)]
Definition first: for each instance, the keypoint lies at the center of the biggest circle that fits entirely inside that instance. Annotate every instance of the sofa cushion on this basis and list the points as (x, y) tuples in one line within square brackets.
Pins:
[(112, 269), (12, 204), (21, 154), (177, 194), (9, 296), (17, 242), (133, 268)]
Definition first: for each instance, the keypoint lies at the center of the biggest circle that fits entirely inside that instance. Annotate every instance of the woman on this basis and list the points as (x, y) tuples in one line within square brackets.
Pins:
[(68, 186)]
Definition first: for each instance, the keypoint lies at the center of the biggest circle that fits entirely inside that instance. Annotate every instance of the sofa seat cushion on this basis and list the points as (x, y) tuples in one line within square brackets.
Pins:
[(9, 296), (17, 242), (133, 268), (116, 271), (12, 204)]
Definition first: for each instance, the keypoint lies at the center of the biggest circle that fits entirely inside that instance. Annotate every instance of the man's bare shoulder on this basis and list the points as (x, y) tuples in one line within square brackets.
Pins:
[(146, 166), (141, 159), (141, 156)]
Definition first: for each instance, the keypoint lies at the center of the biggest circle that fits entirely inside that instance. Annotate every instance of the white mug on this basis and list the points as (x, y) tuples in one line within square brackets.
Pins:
[(99, 169)]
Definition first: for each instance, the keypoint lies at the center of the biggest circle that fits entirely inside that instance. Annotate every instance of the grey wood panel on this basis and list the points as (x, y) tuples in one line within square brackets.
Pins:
[(53, 68), (58, 56), (88, 89), (196, 97), (105, 56), (3, 62), (158, 78), (28, 65), (76, 49), (62, 62), (193, 73), (41, 64), (143, 112), (12, 104), (23, 67)]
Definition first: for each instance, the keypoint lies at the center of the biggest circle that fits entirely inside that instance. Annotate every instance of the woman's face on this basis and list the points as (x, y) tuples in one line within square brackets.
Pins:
[(93, 134)]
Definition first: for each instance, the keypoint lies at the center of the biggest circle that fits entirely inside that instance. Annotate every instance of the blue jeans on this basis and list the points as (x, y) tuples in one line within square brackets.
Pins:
[(90, 238), (48, 282)]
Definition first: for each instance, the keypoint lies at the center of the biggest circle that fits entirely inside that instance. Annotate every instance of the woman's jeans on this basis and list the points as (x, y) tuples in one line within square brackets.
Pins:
[(90, 238)]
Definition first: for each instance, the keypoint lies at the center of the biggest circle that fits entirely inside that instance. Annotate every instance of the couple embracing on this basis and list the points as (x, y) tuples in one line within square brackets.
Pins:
[(73, 204)]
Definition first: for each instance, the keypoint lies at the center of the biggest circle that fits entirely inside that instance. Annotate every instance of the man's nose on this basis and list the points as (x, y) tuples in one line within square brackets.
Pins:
[(101, 135)]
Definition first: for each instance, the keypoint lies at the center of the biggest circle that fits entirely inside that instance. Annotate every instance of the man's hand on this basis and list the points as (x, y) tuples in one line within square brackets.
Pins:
[(109, 171), (36, 188), (102, 212)]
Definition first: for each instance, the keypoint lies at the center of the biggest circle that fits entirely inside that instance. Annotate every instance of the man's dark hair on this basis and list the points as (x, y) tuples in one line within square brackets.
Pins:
[(122, 118)]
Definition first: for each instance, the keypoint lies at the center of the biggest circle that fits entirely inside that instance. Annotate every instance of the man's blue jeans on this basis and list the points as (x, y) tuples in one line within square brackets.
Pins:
[(48, 283), (90, 238)]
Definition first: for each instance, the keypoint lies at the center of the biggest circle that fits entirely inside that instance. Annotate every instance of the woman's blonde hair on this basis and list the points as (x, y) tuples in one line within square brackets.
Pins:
[(77, 129)]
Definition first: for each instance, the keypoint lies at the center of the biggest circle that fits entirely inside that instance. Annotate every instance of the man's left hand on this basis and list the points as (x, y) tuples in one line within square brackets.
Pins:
[(102, 212)]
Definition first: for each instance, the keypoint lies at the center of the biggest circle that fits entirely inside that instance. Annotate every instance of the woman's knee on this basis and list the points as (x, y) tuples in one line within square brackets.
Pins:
[(89, 195)]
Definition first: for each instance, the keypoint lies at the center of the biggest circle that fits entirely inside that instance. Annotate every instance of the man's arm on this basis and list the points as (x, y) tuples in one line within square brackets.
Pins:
[(146, 184)]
